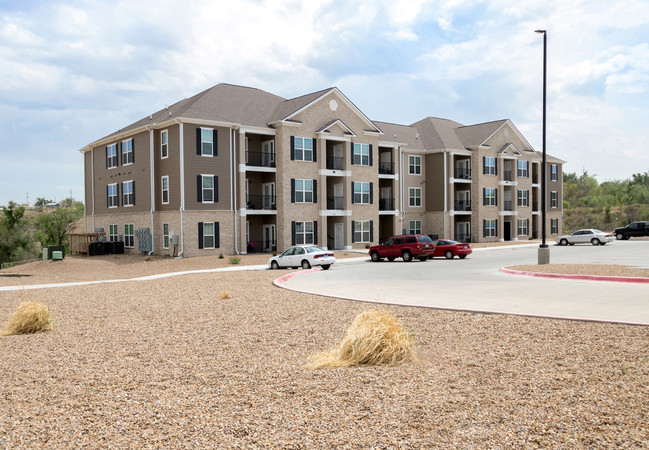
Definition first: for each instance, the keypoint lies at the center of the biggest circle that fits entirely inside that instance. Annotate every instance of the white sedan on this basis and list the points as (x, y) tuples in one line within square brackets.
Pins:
[(588, 236), (303, 256)]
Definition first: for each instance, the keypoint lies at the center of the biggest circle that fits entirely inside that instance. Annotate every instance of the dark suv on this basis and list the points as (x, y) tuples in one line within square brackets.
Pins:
[(631, 230), (406, 246)]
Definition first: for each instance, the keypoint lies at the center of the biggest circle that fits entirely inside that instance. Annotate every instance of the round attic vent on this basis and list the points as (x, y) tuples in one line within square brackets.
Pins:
[(506, 132), (333, 105)]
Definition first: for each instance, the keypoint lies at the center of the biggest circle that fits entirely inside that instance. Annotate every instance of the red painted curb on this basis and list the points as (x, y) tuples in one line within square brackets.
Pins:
[(284, 278), (639, 280)]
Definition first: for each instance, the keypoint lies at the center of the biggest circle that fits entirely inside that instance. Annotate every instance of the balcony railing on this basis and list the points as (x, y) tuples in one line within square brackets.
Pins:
[(462, 205), (386, 168), (334, 163), (258, 246), (508, 205), (261, 202), (535, 179), (386, 204), (507, 175), (463, 237), (335, 202), (462, 173), (260, 159)]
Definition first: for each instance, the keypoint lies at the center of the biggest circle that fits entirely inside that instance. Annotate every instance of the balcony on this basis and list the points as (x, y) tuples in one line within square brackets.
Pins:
[(507, 205), (261, 202), (336, 203), (462, 205), (463, 174), (386, 168), (508, 175), (386, 204), (260, 159), (463, 237), (334, 163)]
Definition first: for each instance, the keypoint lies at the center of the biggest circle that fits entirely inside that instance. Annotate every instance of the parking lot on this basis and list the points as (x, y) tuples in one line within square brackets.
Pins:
[(475, 284)]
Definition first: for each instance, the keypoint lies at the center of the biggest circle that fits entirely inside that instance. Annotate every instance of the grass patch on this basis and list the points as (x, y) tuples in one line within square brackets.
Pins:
[(376, 337), (234, 260), (30, 317)]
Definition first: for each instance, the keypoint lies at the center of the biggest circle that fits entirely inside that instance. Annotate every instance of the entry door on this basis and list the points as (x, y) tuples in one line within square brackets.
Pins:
[(268, 153), (338, 157), (339, 236), (464, 231), (268, 190), (507, 232), (464, 200), (269, 237)]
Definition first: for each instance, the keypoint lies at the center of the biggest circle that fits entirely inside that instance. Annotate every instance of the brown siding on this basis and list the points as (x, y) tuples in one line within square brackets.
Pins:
[(87, 175), (218, 165), (169, 166), (434, 182), (139, 172)]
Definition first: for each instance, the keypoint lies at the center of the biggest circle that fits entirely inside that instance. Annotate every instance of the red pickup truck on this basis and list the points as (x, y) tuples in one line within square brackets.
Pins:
[(406, 246)]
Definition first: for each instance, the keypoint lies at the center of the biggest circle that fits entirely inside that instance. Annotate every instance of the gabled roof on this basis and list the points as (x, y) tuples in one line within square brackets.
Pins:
[(341, 124), (401, 134), (288, 108), (475, 135), (437, 134), (505, 149)]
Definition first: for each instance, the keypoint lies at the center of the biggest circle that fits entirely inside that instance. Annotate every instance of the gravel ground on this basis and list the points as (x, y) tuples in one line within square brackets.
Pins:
[(605, 270), (165, 363)]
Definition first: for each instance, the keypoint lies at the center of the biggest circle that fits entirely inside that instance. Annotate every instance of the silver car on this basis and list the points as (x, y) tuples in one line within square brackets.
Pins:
[(587, 236)]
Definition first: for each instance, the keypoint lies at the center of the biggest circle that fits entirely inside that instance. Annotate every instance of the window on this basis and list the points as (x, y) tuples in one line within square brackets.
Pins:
[(490, 228), (489, 166), (490, 197), (113, 233), (128, 193), (207, 189), (523, 225), (361, 231), (165, 190), (553, 199), (361, 154), (304, 233), (111, 156), (523, 169), (554, 226), (303, 149), (553, 172), (414, 196), (523, 197), (362, 193), (113, 201), (127, 152), (414, 165), (164, 144), (165, 235), (303, 191), (129, 240), (208, 234), (415, 227), (207, 142)]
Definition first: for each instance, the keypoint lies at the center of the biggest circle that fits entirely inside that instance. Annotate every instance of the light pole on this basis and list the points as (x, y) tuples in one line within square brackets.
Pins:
[(544, 250)]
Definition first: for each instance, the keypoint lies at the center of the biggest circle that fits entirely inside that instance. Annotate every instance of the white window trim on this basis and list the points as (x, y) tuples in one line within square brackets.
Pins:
[(111, 234), (554, 172), (166, 236), (554, 199), (490, 200), (124, 193), (302, 149), (360, 153), (131, 152), (163, 133), (491, 170), (131, 235), (204, 188), (305, 233), (522, 225), (410, 166), (411, 198), (359, 185), (110, 157), (205, 247), (415, 229), (162, 190), (364, 231), (303, 191), (490, 224), (202, 142), (116, 196), (523, 200)]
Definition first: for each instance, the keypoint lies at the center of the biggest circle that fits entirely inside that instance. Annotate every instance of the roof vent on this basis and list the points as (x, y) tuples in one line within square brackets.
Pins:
[(417, 136)]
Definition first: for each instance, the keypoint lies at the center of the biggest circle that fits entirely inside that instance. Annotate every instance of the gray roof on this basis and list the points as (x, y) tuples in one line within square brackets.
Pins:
[(403, 134), (288, 107), (474, 135), (439, 133)]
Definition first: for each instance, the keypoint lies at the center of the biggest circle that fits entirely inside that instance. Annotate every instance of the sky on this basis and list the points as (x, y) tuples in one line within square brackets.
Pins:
[(72, 72)]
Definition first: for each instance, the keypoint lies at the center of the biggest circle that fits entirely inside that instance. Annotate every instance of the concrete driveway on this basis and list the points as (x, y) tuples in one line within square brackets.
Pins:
[(474, 284)]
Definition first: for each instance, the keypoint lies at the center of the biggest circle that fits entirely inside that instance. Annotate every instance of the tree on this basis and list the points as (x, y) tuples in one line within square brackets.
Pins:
[(53, 227), (41, 202), (16, 242)]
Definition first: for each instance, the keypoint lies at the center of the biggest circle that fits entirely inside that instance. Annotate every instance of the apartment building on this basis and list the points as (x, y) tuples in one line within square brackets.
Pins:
[(236, 170)]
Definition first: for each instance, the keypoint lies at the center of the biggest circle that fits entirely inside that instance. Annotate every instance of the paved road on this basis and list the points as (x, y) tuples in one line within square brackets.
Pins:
[(475, 284)]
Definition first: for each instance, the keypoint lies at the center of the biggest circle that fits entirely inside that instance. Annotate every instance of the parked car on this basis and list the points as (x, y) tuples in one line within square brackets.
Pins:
[(588, 236), (631, 230), (304, 256), (406, 246), (450, 249)]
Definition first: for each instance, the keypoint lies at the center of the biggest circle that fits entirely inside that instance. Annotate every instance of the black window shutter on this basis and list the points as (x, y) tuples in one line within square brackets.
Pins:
[(293, 150), (484, 165), (527, 225), (496, 195), (199, 188), (315, 191), (106, 157), (217, 235), (107, 198), (496, 165), (118, 146), (315, 232), (119, 194), (353, 227), (371, 231), (215, 142), (496, 227), (133, 150), (352, 153), (315, 151), (215, 183), (292, 190), (133, 185), (200, 234), (371, 163), (527, 168), (293, 233), (484, 196), (198, 141), (371, 193), (352, 192)]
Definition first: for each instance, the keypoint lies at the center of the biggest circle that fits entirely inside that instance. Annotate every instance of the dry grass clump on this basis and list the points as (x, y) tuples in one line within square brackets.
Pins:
[(30, 317), (224, 294), (376, 337)]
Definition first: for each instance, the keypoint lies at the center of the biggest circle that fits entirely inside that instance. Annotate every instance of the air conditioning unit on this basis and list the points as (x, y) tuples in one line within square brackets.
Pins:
[(174, 239)]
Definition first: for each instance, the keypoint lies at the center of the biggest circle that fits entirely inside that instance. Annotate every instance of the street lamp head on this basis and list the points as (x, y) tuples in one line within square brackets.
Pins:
[(540, 31)]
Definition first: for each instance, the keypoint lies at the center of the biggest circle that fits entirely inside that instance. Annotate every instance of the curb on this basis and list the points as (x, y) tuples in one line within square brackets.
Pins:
[(637, 280)]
